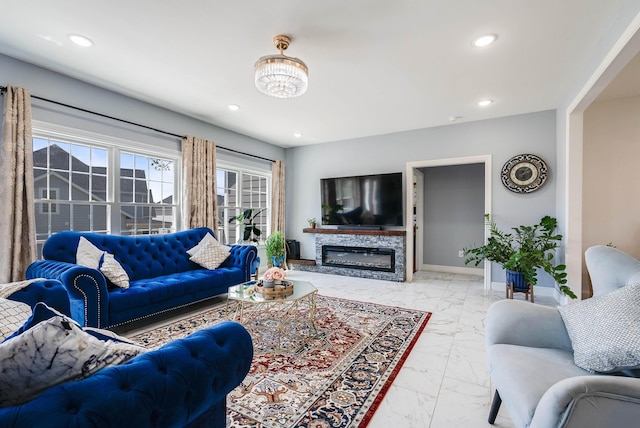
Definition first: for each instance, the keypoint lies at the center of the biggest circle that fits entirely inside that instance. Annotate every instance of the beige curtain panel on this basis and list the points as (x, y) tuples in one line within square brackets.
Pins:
[(199, 183), (277, 198), (17, 217)]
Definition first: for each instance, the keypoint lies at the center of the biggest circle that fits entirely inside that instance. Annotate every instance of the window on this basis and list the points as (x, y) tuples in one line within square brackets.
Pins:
[(146, 194), (94, 183), (239, 190), (70, 187), (49, 207)]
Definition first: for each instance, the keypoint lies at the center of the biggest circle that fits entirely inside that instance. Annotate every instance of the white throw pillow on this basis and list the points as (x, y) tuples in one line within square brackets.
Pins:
[(12, 316), (52, 352), (206, 239), (88, 254), (114, 271), (605, 330), (211, 254)]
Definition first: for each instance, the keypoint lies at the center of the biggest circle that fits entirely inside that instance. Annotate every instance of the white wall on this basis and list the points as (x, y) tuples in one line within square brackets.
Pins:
[(502, 138), (615, 48)]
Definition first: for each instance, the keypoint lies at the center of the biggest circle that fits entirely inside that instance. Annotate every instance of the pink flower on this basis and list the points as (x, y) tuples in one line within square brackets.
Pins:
[(274, 273), (278, 274)]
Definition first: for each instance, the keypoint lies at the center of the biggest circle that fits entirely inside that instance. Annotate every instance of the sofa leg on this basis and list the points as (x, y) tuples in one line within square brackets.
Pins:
[(495, 406)]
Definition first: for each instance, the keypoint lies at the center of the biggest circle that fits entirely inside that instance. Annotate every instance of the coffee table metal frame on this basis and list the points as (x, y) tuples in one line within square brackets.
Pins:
[(282, 312)]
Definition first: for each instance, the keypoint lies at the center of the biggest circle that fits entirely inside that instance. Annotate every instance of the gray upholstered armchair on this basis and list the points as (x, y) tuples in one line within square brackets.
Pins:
[(530, 353)]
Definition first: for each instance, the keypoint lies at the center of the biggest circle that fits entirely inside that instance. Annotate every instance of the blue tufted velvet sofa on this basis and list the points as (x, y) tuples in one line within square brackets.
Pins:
[(49, 291), (182, 384), (161, 275)]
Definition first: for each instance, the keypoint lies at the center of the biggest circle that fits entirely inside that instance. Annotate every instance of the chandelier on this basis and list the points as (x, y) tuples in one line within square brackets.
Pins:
[(281, 76)]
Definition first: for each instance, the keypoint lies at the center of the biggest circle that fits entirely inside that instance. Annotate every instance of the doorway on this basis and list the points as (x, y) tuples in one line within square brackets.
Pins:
[(414, 239)]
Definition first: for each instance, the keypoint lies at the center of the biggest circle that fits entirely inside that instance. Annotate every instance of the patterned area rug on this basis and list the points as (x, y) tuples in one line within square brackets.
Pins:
[(335, 377)]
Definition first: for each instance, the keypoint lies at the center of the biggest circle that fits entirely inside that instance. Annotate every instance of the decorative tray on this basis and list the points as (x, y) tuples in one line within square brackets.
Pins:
[(277, 292)]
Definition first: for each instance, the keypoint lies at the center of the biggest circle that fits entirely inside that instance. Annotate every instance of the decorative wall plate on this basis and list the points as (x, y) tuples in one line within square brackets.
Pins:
[(524, 173)]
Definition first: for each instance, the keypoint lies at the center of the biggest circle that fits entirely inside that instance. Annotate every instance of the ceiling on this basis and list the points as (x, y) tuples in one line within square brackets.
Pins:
[(375, 67)]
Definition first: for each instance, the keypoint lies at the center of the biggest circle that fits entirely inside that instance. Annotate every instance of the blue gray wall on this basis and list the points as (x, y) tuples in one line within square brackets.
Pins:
[(55, 86), (501, 138), (453, 212)]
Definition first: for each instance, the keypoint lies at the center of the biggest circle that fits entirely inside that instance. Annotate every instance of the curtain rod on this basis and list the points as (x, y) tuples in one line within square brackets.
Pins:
[(3, 90)]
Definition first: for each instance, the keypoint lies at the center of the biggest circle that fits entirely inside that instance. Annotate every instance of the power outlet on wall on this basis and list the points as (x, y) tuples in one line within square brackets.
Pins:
[(461, 253)]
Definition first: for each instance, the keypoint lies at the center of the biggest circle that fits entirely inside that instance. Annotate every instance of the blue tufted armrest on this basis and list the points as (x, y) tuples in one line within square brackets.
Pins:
[(182, 384), (86, 288), (242, 256), (49, 291)]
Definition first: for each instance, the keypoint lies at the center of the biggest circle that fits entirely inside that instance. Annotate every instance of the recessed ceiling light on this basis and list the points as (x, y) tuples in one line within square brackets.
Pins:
[(298, 134), (485, 103), (80, 40), (484, 40), (233, 107)]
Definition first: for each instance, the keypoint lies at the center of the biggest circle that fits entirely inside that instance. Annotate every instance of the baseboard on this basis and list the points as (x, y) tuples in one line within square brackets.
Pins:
[(453, 269)]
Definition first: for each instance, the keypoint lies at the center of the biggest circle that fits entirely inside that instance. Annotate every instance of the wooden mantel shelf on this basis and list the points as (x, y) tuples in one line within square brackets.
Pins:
[(327, 231)]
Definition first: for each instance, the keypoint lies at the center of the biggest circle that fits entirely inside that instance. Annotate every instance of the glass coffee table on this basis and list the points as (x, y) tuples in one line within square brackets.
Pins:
[(285, 324)]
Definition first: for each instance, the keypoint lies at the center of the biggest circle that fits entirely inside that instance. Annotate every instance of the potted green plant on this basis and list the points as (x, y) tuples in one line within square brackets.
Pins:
[(312, 222), (522, 252), (251, 232), (274, 247)]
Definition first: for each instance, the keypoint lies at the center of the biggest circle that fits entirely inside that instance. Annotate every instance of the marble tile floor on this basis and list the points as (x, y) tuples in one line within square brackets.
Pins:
[(444, 383)]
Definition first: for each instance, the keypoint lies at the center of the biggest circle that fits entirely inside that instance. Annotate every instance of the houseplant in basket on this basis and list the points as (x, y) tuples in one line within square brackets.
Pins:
[(274, 246), (522, 252)]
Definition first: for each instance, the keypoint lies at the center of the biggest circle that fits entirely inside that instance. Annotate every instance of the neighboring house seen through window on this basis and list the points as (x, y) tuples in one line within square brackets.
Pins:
[(76, 188), (93, 183), (48, 207)]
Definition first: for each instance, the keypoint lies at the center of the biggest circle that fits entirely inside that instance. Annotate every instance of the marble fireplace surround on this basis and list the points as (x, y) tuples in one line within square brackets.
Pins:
[(362, 238)]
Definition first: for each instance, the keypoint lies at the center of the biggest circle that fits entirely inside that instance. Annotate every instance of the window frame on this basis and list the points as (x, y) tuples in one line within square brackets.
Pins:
[(114, 147), (241, 169), (52, 208)]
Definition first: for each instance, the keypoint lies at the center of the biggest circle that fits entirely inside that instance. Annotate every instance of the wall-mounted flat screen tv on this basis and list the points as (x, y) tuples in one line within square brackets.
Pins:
[(364, 200)]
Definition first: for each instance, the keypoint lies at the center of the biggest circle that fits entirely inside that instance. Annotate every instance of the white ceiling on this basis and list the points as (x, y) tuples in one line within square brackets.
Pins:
[(375, 67)]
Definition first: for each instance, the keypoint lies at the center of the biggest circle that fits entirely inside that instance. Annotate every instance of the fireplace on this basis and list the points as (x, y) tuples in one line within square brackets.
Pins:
[(377, 259)]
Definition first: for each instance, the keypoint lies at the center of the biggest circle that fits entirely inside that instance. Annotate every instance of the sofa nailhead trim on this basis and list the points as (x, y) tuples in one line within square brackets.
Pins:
[(162, 311), (86, 300)]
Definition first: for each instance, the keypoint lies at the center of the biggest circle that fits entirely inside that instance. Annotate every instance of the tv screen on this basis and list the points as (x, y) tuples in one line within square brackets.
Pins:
[(374, 200)]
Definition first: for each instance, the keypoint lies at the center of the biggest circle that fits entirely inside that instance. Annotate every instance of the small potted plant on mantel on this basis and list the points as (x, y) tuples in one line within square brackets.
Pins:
[(521, 253), (312, 222)]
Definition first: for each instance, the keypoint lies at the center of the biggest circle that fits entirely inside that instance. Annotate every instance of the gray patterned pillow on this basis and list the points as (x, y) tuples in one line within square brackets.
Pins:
[(205, 240), (210, 253), (605, 330), (114, 271), (54, 351), (12, 315)]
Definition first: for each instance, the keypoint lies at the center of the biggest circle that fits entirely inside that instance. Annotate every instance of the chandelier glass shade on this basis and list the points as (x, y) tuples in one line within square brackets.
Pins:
[(281, 76)]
